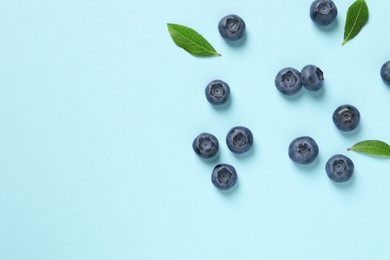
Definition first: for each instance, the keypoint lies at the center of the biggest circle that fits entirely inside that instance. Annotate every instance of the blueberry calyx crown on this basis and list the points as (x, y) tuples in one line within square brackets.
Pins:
[(224, 176), (346, 117), (323, 12), (239, 139), (231, 27), (217, 92), (288, 81), (303, 150), (339, 168), (205, 145), (324, 8)]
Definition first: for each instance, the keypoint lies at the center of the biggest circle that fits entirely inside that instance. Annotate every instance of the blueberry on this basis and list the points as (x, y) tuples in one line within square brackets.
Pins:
[(303, 150), (217, 92), (385, 72), (312, 77), (346, 118), (205, 145), (339, 168), (239, 139), (323, 12), (224, 176), (231, 27), (288, 81)]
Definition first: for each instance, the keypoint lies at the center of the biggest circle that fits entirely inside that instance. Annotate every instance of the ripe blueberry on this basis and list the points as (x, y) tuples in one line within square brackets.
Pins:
[(385, 72), (346, 117), (312, 77), (239, 139), (217, 92), (303, 150), (323, 12), (224, 176), (288, 81), (205, 145), (339, 168), (231, 27)]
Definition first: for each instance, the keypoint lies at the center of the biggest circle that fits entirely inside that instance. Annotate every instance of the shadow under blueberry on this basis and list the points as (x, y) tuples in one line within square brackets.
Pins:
[(239, 42), (309, 168), (345, 185), (224, 106), (248, 154), (329, 27), (317, 94), (211, 160), (293, 97), (351, 134), (229, 192)]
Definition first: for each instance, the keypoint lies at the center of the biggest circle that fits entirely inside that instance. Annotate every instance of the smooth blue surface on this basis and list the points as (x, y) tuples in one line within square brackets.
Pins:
[(99, 108)]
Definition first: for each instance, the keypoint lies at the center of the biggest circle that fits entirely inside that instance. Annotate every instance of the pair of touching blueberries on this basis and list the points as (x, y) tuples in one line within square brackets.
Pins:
[(302, 150)]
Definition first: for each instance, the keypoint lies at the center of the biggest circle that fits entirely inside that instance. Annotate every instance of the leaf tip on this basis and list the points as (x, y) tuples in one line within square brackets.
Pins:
[(218, 54), (170, 25)]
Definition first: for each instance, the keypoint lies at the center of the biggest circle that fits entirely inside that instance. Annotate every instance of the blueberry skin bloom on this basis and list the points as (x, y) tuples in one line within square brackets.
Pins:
[(385, 72), (231, 27), (346, 118), (339, 168), (205, 145), (239, 139), (288, 81), (224, 176), (217, 92), (312, 77), (323, 12), (303, 150)]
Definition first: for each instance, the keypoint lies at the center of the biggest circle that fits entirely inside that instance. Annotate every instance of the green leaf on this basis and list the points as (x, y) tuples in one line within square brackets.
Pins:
[(191, 41), (357, 16), (372, 147)]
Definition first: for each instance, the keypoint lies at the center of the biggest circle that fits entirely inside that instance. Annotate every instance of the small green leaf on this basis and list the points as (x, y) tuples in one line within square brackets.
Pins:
[(357, 16), (372, 147), (191, 41)]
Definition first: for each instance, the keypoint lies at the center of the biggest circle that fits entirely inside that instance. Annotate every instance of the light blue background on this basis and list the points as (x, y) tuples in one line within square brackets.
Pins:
[(98, 110)]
